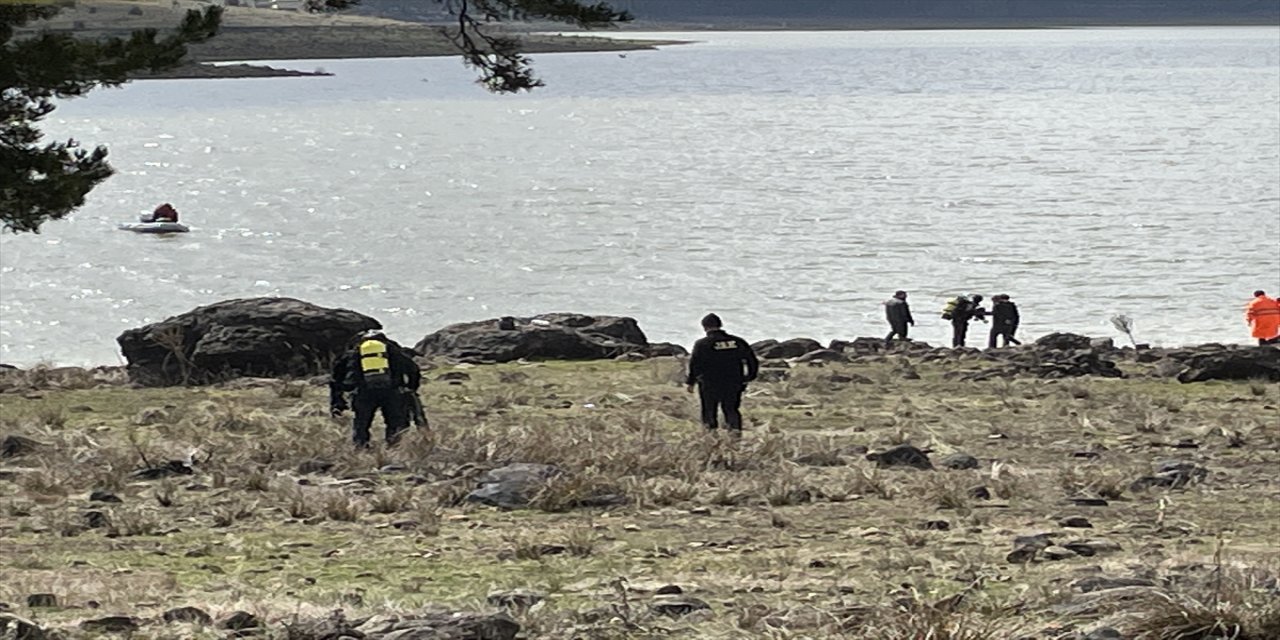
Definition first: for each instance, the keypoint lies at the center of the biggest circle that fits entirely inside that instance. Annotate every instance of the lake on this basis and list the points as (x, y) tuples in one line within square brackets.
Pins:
[(788, 181)]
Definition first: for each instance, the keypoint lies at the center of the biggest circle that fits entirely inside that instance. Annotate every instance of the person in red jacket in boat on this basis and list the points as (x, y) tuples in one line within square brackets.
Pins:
[(163, 213)]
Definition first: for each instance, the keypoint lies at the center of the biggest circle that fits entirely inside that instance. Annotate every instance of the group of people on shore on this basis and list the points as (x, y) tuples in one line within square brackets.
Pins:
[(380, 375), (960, 310)]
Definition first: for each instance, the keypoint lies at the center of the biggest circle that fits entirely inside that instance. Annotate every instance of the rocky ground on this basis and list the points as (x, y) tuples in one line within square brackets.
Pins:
[(914, 494)]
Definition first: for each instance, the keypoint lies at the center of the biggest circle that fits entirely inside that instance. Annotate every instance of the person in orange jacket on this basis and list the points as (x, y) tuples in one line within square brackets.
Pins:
[(1263, 316)]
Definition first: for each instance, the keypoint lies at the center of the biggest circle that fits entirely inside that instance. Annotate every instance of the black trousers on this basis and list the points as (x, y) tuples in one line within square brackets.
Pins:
[(1005, 332), (958, 332), (366, 402), (719, 398), (899, 330)]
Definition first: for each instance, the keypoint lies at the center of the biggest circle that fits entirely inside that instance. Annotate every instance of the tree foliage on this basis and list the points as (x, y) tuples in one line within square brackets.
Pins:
[(39, 183), (46, 182)]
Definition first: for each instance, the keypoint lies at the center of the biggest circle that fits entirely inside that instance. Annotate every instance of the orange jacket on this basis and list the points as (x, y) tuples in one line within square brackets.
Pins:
[(1263, 314)]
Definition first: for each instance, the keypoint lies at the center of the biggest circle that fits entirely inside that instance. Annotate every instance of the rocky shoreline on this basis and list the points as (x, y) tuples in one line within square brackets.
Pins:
[(292, 339)]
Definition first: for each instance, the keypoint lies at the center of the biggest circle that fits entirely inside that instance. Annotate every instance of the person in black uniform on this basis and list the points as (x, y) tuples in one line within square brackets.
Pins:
[(376, 372), (1004, 321), (898, 312), (965, 309), (721, 366)]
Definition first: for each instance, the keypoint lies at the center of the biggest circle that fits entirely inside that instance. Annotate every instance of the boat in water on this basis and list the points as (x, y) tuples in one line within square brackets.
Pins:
[(154, 227)]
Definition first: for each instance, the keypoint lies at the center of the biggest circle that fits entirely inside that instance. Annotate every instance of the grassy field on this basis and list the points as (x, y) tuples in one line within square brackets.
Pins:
[(789, 533)]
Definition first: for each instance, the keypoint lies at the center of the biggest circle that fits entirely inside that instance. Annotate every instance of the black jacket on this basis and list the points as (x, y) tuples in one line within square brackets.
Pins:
[(898, 312), (1005, 313), (722, 360), (966, 311), (346, 369)]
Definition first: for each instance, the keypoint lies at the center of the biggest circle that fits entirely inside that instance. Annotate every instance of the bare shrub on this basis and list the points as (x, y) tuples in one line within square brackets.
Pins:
[(231, 512), (256, 480), (581, 541), (133, 521), (340, 507), (298, 503), (392, 499)]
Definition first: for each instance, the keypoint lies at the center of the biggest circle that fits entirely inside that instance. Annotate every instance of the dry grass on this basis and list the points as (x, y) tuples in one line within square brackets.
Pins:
[(789, 533)]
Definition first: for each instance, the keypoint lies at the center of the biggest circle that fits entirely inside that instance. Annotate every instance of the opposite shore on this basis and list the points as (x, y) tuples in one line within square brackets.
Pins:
[(263, 35)]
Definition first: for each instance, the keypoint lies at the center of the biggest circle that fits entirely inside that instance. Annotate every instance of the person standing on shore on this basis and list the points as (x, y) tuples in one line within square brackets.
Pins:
[(898, 313), (960, 311), (1004, 321), (377, 372), (1263, 315), (720, 367)]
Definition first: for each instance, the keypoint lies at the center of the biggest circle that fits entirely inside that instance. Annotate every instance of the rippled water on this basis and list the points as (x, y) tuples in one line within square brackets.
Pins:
[(789, 181)]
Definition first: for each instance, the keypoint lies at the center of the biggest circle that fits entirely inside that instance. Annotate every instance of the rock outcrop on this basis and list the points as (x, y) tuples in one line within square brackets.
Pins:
[(1222, 362), (263, 337), (553, 336)]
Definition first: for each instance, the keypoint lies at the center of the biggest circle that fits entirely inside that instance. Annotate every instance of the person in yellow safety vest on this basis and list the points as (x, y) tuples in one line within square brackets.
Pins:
[(376, 372), (1263, 315)]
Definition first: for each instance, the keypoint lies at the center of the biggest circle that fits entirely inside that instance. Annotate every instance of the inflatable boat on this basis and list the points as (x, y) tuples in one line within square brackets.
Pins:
[(154, 227)]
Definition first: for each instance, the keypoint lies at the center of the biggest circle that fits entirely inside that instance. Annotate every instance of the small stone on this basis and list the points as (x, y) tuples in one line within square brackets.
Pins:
[(959, 461), (96, 520), (678, 605), (980, 493), (1055, 552), (100, 495), (1084, 501), (1086, 455), (515, 598), (935, 525), (38, 600), (903, 455), (1089, 548), (674, 589), (111, 624), (192, 615), (239, 621), (1075, 522), (1104, 633), (700, 511), (1022, 555), (453, 376)]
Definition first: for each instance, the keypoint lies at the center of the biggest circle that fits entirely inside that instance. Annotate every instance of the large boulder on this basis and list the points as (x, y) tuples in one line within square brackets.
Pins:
[(1222, 362), (261, 337), (1064, 342), (793, 348), (553, 336)]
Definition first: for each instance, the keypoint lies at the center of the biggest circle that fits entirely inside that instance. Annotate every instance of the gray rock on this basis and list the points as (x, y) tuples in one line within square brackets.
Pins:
[(554, 336), (1054, 552), (1103, 633), (903, 455), (1221, 362), (665, 350), (512, 486), (1064, 342), (822, 355), (676, 606), (261, 337), (14, 446), (192, 615), (239, 621), (111, 624), (1172, 474), (42, 600), (1090, 548), (19, 628), (793, 348), (1075, 522), (96, 520), (99, 495), (959, 461)]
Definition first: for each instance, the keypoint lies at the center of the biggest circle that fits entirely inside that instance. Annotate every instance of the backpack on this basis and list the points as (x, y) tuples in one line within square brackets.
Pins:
[(950, 308)]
